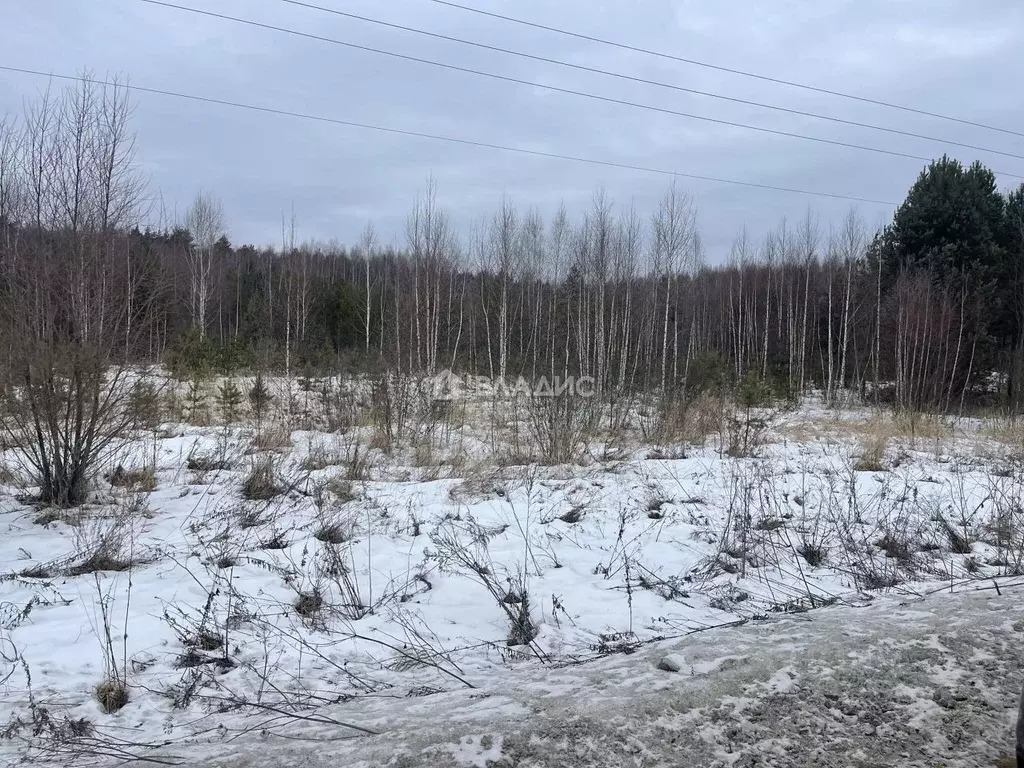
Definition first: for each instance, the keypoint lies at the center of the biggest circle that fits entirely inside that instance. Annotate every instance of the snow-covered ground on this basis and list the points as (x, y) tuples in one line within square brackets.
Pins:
[(917, 682), (443, 590)]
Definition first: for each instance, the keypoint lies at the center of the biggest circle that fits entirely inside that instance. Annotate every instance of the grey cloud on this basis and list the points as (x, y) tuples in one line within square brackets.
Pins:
[(946, 56)]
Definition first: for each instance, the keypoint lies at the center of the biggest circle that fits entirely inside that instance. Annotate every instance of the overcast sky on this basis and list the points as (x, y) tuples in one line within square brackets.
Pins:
[(949, 56)]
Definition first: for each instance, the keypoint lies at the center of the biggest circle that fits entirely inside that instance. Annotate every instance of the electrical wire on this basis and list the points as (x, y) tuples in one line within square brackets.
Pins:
[(646, 81), (730, 70), (438, 137), (556, 89)]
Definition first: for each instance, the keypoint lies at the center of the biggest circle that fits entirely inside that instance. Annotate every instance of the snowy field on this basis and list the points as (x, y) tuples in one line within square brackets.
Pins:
[(910, 683), (334, 565)]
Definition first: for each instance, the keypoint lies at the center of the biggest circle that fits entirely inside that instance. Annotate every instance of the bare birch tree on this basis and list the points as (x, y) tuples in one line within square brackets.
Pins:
[(67, 297), (205, 223), (674, 251)]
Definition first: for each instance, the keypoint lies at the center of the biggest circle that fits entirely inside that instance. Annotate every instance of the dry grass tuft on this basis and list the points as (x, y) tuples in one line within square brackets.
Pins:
[(906, 426), (206, 463), (481, 480), (331, 529), (573, 516), (656, 508), (319, 456), (917, 425), (102, 544), (309, 604), (261, 484), (691, 421), (100, 561), (871, 457), (275, 438), (143, 480), (112, 695), (1006, 430), (277, 540), (342, 489), (813, 554)]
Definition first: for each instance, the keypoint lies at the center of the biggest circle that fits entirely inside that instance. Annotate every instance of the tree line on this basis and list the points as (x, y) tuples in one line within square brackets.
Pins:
[(926, 313)]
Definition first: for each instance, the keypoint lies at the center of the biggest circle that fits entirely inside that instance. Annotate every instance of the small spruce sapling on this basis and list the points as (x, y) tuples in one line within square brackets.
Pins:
[(229, 400), (259, 400)]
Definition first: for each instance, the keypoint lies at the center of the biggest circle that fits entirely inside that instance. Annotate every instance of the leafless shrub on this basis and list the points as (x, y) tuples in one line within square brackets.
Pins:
[(423, 648), (618, 420), (560, 425), (71, 312), (618, 558), (960, 526), (423, 454), (735, 540), (884, 553), (1005, 528), (47, 735), (42, 418), (339, 407), (198, 634), (7, 477), (394, 399), (686, 420), (204, 640)]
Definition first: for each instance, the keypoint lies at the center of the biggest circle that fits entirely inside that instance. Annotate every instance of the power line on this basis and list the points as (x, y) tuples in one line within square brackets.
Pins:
[(646, 81), (732, 71), (437, 137), (556, 89)]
